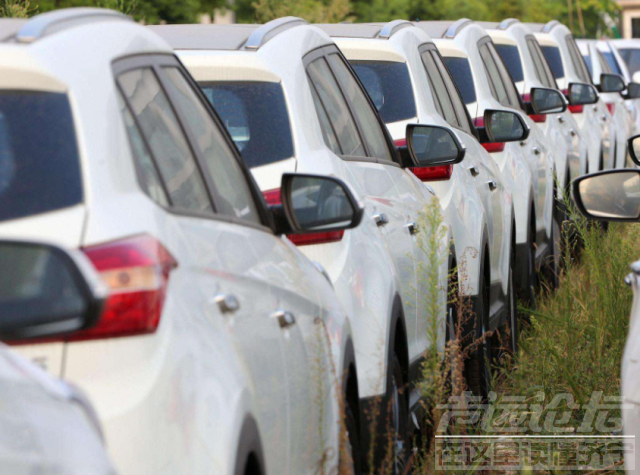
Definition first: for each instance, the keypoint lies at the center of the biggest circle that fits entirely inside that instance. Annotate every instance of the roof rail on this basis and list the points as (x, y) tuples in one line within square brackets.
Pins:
[(393, 27), (455, 28), (507, 23), (58, 20), (549, 26), (267, 31)]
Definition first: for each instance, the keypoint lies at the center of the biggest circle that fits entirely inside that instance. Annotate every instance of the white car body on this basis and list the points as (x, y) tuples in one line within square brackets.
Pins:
[(477, 220), (556, 37), (622, 118), (373, 268), (48, 426), (630, 383), (220, 381)]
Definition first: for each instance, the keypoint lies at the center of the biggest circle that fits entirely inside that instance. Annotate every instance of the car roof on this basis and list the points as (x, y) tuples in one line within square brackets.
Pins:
[(435, 29), (365, 30)]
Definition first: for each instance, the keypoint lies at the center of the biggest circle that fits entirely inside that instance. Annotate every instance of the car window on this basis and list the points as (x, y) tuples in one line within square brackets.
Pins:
[(512, 61), (371, 128), (552, 55), (389, 87), (233, 194), (507, 80), (587, 61), (328, 134), (603, 63), (462, 75), (256, 116), (613, 62), (439, 90), (336, 108), (577, 61), (539, 65), (39, 162), (167, 143), (631, 56), (145, 167), (454, 94), (493, 74)]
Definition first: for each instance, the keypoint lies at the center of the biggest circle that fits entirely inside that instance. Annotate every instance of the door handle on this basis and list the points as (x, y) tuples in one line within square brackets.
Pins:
[(536, 150), (473, 170), (604, 118), (573, 133), (595, 108), (285, 318), (227, 303), (523, 143), (381, 219), (561, 119), (412, 227), (492, 185)]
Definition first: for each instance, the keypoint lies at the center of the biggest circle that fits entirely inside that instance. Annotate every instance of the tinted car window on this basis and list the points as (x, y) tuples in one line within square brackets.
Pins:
[(577, 61), (439, 90), (336, 108), (166, 140), (603, 63), (233, 195), (366, 117), (631, 56), (507, 81), (552, 55), (39, 163), (511, 58), (613, 62), (493, 74), (461, 72), (389, 87), (454, 94), (255, 114), (539, 64), (328, 134), (587, 61)]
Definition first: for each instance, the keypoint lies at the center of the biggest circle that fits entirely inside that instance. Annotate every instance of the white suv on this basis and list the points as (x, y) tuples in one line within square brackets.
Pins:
[(220, 346), (286, 81), (404, 75)]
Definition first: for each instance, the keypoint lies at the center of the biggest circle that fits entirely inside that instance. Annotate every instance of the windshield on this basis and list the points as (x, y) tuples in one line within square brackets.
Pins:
[(552, 55), (39, 164), (389, 86), (255, 114), (511, 58), (631, 56), (461, 72)]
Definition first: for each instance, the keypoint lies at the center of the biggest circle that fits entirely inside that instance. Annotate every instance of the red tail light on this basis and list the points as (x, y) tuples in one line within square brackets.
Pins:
[(489, 147), (273, 197), (401, 142), (136, 270), (576, 109), (612, 107), (539, 118), (442, 172)]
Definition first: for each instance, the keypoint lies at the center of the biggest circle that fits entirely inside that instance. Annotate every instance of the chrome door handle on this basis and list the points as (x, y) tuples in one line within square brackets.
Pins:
[(492, 185), (473, 170), (227, 303), (595, 108), (573, 133), (604, 118), (523, 143), (536, 150), (381, 219), (561, 119), (285, 318), (412, 227)]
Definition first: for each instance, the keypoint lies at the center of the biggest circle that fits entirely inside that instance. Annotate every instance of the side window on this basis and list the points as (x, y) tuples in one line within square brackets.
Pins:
[(146, 169), (162, 131), (439, 90), (603, 63), (576, 59), (336, 108), (370, 126), (537, 64), (454, 94), (499, 92), (507, 80), (328, 133), (232, 193)]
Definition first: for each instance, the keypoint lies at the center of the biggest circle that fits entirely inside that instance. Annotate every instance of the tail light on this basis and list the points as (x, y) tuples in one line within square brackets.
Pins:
[(136, 270), (401, 142), (436, 173), (612, 107), (273, 197), (576, 109), (489, 147)]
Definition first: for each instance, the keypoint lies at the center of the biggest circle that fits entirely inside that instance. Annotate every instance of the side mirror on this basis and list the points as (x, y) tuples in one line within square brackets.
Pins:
[(633, 91), (431, 146), (581, 94), (46, 290), (611, 83), (316, 204), (547, 101), (633, 145), (610, 195), (503, 126)]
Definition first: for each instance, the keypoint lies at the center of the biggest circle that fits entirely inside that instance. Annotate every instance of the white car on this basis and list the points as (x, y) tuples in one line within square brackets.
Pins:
[(529, 69), (611, 86), (614, 195), (48, 426), (291, 102), (407, 81), (568, 67), (485, 84), (221, 349)]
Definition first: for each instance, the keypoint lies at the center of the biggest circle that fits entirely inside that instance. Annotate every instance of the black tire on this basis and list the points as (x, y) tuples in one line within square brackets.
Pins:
[(528, 288), (354, 465), (398, 416)]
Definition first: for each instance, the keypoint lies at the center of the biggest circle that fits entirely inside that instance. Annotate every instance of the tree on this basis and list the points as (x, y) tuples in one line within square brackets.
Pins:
[(314, 11)]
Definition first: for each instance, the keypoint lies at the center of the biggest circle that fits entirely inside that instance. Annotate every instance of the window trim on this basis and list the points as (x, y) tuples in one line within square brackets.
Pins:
[(155, 62)]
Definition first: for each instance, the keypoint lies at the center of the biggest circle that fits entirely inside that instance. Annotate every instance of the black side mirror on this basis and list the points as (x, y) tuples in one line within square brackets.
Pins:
[(46, 290), (316, 204), (633, 145), (633, 91), (581, 94), (547, 101), (610, 195), (503, 126), (611, 83), (431, 146)]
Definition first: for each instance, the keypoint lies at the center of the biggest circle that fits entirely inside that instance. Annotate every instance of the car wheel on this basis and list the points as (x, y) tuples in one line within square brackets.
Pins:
[(398, 417), (478, 363)]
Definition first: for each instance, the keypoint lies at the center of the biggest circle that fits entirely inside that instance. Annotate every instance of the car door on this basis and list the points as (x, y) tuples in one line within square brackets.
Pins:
[(361, 142), (222, 225)]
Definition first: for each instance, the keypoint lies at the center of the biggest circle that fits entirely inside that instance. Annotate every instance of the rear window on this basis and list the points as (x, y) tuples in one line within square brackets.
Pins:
[(255, 114), (461, 72), (389, 86), (631, 56), (39, 164), (552, 55), (511, 58)]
